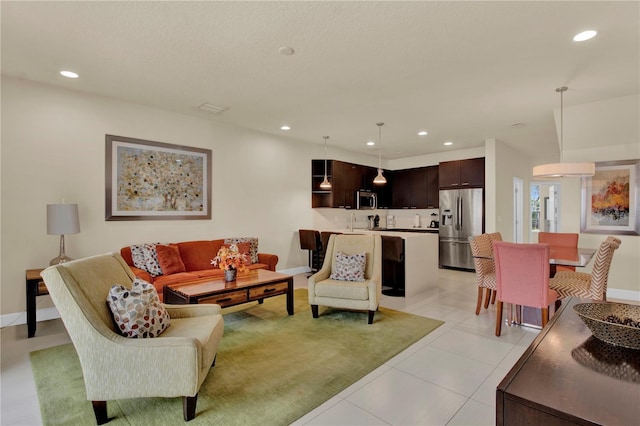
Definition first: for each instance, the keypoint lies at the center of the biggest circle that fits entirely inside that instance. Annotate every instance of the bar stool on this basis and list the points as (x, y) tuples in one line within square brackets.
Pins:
[(393, 265), (310, 240), (324, 239)]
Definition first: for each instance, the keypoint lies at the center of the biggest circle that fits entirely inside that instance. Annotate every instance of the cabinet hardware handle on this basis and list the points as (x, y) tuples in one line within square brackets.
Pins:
[(226, 299), (269, 290), (465, 183)]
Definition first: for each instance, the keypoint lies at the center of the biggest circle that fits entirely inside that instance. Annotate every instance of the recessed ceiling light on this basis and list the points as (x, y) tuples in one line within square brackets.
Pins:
[(422, 133), (69, 74), (448, 143), (286, 50), (285, 127), (371, 143), (214, 109), (585, 35)]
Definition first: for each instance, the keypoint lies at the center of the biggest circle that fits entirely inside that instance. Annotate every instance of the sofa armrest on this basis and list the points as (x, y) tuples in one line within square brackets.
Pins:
[(269, 259), (142, 274), (190, 311)]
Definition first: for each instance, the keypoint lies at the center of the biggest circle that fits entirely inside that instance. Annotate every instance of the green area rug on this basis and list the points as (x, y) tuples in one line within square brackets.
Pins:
[(271, 368)]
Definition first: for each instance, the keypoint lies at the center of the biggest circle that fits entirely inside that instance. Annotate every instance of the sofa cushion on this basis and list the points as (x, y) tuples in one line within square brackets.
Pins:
[(169, 259), (138, 311), (349, 267), (253, 246), (197, 255), (145, 257), (180, 277)]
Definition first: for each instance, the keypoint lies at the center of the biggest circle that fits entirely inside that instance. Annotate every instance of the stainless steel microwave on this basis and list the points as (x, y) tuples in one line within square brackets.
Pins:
[(366, 200)]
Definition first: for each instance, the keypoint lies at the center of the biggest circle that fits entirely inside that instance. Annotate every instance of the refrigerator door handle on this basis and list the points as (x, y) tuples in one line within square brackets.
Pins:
[(460, 214)]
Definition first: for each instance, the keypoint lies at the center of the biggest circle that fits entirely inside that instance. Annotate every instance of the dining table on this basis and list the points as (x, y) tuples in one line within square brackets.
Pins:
[(566, 256), (569, 256), (561, 256)]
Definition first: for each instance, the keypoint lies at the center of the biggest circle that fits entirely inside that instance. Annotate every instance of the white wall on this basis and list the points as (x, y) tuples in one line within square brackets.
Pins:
[(609, 130), (53, 147)]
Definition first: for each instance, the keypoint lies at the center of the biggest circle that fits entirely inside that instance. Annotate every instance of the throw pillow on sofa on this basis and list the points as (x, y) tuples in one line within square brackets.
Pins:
[(349, 268), (145, 257), (137, 311), (169, 259), (253, 246)]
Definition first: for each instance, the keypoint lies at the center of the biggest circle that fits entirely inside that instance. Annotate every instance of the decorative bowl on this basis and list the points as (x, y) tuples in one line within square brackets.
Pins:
[(594, 314)]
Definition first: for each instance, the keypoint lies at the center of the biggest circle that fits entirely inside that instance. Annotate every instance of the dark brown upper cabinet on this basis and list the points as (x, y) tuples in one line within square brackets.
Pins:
[(461, 173)]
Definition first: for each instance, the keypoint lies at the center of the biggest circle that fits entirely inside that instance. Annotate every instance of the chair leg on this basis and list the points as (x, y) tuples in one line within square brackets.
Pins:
[(480, 290), (371, 316), (498, 318), (488, 299), (545, 316), (189, 407), (314, 311), (493, 296), (100, 411)]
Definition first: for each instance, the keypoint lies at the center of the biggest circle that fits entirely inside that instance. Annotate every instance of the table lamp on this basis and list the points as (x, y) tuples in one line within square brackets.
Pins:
[(62, 219)]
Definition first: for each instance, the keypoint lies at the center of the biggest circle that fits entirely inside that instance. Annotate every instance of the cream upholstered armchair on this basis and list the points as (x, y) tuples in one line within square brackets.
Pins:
[(116, 367), (357, 295)]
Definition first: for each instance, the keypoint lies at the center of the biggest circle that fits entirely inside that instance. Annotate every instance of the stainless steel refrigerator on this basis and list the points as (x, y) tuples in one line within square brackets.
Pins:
[(461, 215)]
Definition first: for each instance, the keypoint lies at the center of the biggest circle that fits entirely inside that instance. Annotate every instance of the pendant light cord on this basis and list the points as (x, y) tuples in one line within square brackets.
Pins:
[(380, 143), (561, 90)]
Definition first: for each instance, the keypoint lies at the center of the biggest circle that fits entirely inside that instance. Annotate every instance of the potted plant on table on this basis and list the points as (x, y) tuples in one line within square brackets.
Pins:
[(230, 260)]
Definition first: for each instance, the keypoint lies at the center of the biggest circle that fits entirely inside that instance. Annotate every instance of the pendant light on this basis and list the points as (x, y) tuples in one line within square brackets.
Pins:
[(563, 169), (379, 180), (325, 183)]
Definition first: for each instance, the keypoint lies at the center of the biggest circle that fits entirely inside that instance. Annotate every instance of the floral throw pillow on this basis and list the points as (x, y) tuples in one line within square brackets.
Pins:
[(253, 246), (137, 311), (349, 267), (145, 257)]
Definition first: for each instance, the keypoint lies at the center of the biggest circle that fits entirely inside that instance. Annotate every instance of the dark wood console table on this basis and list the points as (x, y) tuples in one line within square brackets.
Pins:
[(35, 287), (568, 377)]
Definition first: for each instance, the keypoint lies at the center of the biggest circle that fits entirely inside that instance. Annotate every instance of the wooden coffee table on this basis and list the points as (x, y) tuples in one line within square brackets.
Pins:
[(249, 286)]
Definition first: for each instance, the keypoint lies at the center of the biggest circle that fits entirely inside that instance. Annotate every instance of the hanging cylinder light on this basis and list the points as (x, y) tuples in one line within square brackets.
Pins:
[(380, 179), (562, 169), (325, 183)]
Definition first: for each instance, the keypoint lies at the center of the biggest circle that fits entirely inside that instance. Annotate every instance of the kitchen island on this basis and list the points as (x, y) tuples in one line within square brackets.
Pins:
[(420, 256)]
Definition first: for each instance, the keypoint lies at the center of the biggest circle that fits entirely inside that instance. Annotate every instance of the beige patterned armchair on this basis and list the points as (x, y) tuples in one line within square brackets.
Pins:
[(358, 295), (115, 367)]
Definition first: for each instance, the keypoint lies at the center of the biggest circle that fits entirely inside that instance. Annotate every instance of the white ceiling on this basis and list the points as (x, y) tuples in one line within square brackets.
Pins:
[(463, 71)]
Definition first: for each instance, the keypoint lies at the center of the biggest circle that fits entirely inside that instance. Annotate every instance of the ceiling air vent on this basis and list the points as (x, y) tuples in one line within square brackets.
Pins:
[(213, 109)]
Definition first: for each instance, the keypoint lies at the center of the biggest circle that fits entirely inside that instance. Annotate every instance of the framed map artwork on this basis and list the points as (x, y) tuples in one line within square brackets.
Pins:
[(148, 180)]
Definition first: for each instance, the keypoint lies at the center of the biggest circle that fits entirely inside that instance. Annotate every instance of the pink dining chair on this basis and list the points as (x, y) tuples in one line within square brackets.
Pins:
[(560, 239), (522, 278)]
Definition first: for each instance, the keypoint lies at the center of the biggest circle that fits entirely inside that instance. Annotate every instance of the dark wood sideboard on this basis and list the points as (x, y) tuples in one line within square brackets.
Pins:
[(568, 377)]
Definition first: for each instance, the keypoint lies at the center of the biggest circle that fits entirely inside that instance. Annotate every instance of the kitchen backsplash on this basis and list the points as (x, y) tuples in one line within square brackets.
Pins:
[(326, 218)]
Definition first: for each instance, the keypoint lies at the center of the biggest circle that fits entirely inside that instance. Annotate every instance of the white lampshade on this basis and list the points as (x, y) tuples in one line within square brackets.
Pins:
[(564, 170), (62, 219)]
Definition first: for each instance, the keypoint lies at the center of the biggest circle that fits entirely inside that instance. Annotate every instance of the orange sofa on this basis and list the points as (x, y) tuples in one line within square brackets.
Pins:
[(196, 257)]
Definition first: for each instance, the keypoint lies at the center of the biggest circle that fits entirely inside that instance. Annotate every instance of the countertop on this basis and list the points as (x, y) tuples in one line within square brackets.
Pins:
[(400, 232)]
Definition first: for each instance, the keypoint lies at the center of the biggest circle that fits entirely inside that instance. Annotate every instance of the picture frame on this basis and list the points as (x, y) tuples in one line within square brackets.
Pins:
[(611, 199), (147, 180)]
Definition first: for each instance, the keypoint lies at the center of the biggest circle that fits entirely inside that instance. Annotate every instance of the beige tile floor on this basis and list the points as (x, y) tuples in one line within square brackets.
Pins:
[(447, 378)]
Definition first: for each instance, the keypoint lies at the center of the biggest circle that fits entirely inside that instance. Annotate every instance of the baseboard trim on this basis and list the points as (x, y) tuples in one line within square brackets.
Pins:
[(613, 293), (296, 271), (52, 313), (46, 314), (21, 317)]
